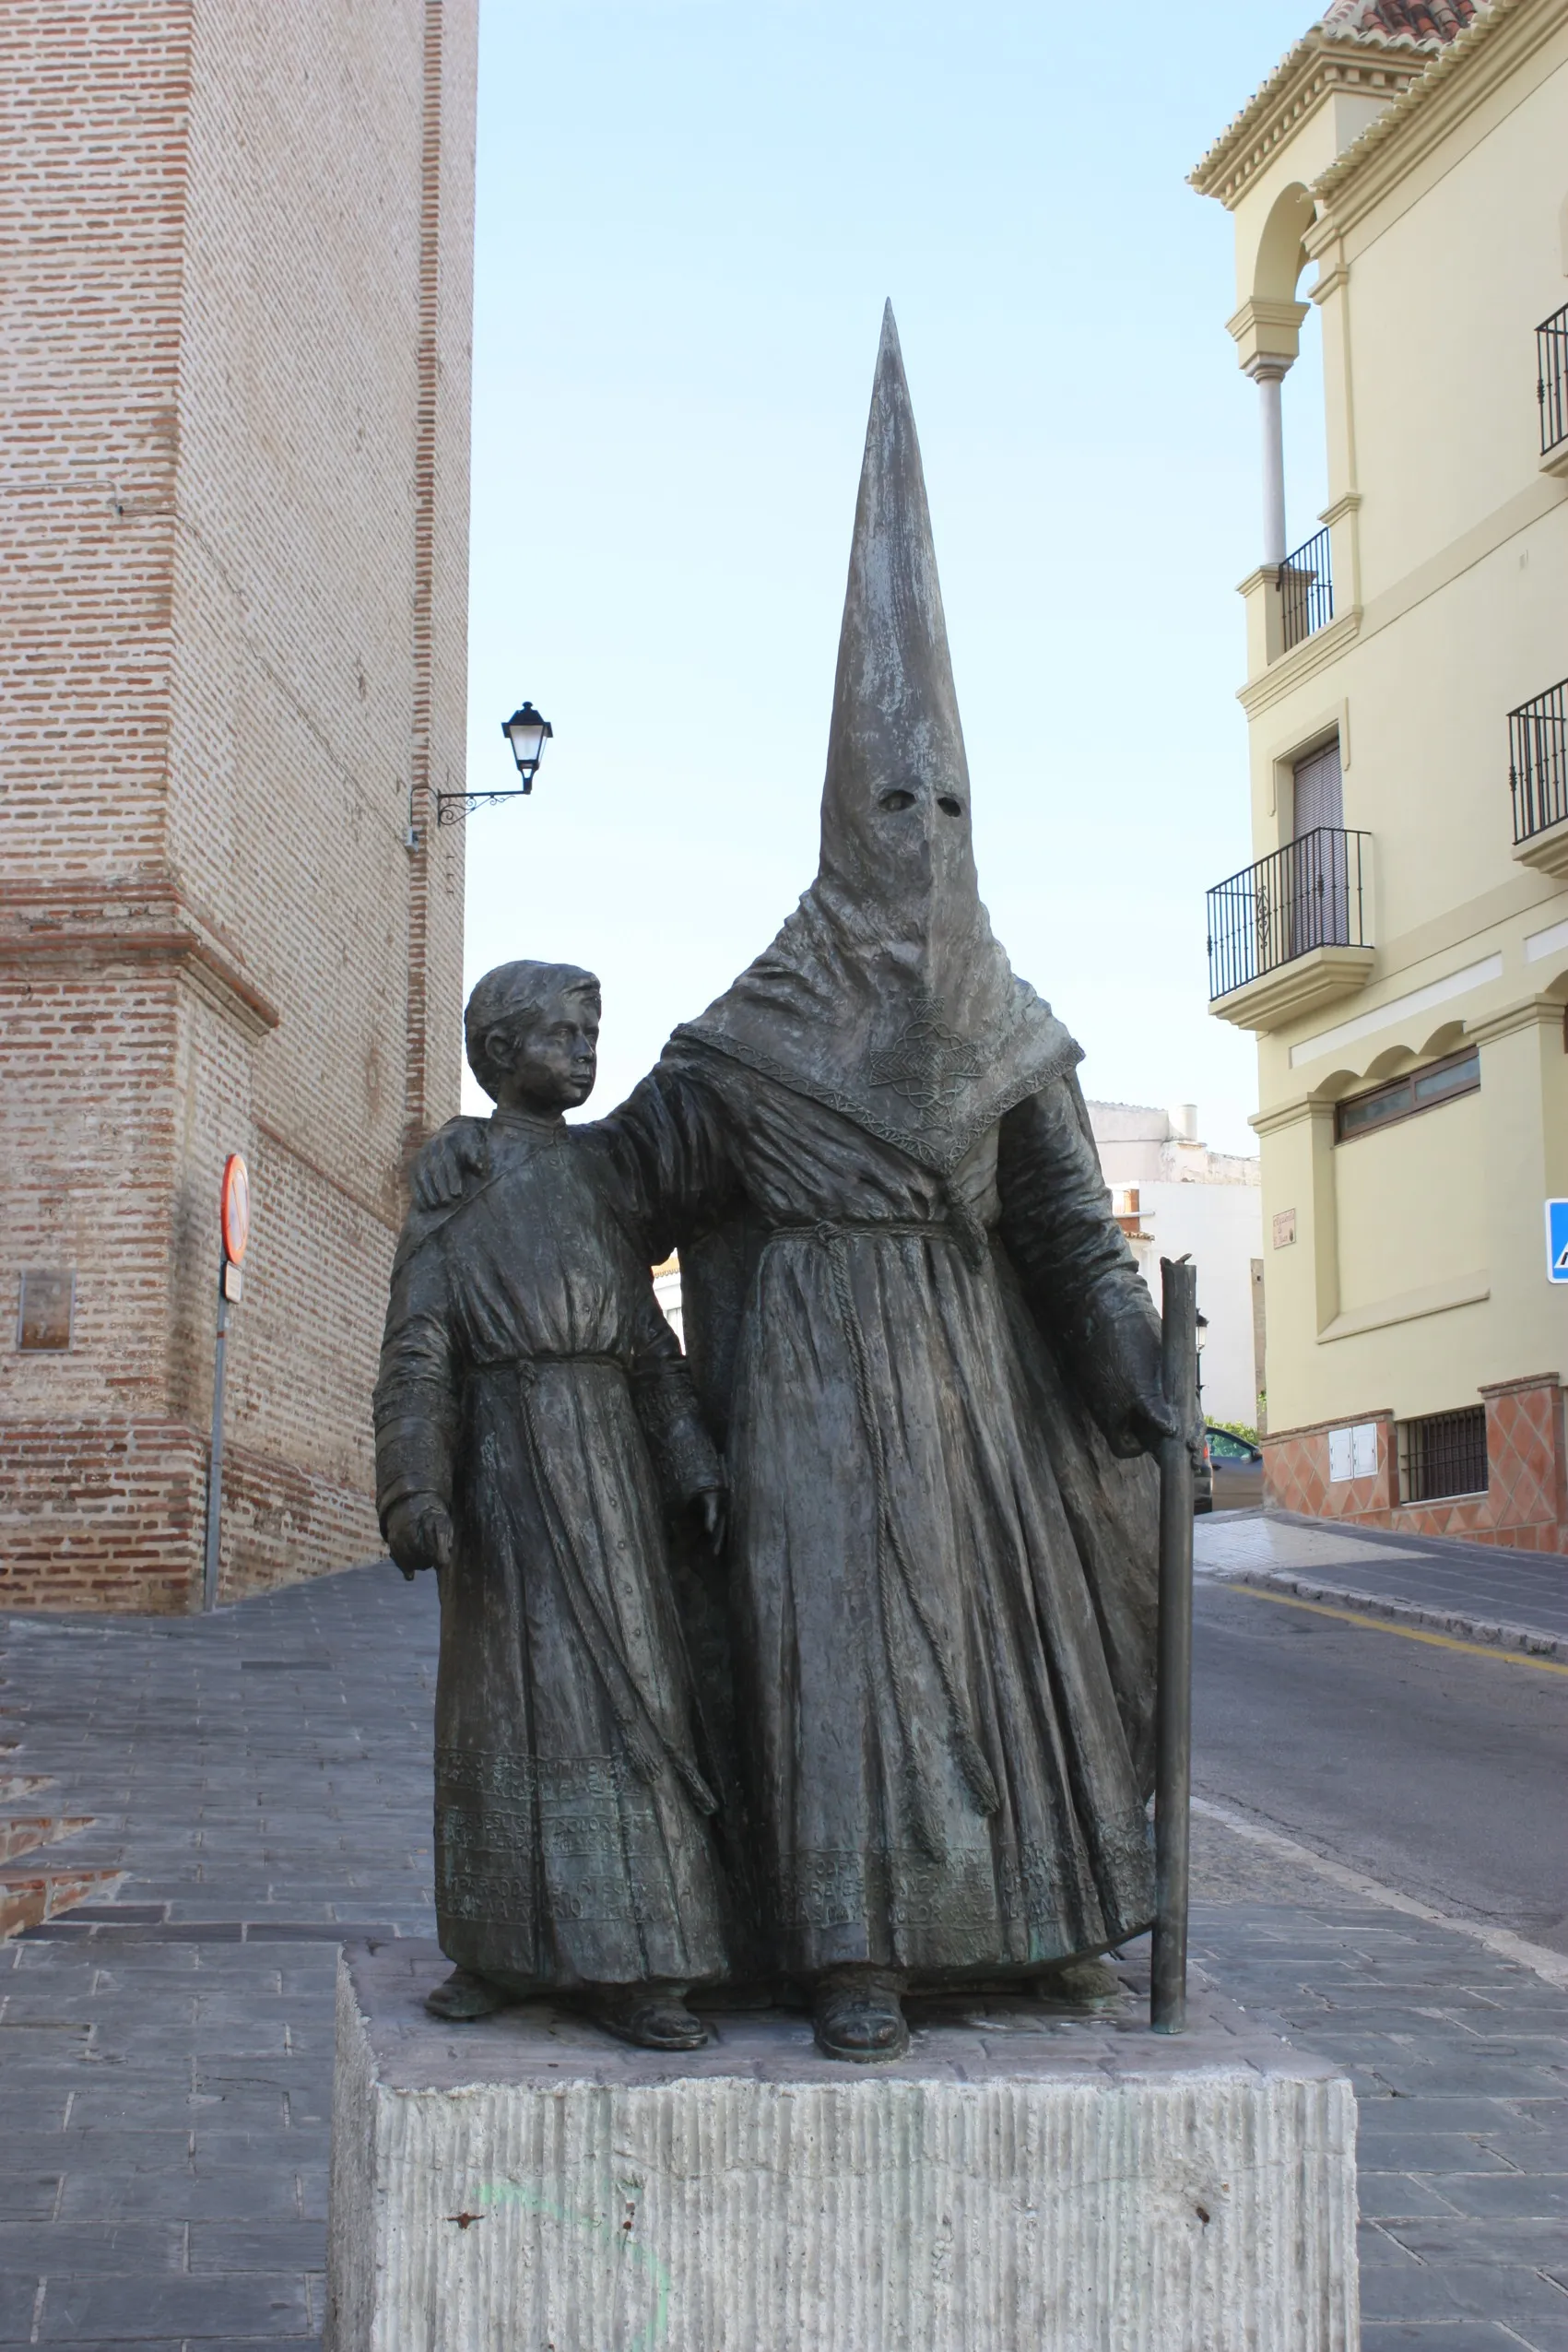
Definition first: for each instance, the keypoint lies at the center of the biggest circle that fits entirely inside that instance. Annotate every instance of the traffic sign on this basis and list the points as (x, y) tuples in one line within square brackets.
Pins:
[(1557, 1241), (234, 1209)]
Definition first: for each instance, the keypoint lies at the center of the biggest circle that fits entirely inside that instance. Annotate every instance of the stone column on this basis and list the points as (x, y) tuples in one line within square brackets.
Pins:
[(1267, 337), (1269, 374)]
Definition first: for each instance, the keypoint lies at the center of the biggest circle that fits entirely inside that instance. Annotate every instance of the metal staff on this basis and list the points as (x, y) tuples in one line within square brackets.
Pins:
[(1173, 1782), (215, 1460), (234, 1224)]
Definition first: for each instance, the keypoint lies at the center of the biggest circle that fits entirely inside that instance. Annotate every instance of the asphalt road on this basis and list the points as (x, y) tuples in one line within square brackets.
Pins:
[(1439, 1772)]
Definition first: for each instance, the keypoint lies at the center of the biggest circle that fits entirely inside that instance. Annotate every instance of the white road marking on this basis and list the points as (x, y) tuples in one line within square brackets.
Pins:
[(1551, 1965)]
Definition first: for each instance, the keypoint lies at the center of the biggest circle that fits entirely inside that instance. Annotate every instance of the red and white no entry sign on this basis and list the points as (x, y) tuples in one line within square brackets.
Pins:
[(234, 1209)]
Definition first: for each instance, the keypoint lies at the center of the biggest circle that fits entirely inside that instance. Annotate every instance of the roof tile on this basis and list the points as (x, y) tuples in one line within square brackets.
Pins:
[(1441, 21)]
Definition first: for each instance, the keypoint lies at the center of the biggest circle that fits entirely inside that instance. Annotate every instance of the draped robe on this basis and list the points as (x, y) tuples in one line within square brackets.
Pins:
[(525, 1368), (941, 1572)]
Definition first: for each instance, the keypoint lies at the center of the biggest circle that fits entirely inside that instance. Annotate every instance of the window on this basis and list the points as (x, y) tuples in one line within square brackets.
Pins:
[(1443, 1454), (1419, 1090), (1228, 1448)]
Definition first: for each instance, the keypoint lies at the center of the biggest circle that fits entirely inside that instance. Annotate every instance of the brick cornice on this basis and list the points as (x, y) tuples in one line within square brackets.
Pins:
[(91, 925)]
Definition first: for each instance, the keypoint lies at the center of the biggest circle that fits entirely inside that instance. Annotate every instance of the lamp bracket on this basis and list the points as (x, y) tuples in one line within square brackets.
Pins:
[(453, 807)]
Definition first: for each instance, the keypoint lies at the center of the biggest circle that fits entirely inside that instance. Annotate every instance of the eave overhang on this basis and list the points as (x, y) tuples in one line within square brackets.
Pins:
[(1324, 61), (1423, 91)]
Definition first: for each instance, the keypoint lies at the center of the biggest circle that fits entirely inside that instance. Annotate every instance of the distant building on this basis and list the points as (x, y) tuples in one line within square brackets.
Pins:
[(1400, 944), (667, 1290), (234, 456), (1175, 1198)]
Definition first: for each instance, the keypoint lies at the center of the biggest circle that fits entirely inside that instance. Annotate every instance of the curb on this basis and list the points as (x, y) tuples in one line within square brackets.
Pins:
[(1490, 1634), (1460, 1547)]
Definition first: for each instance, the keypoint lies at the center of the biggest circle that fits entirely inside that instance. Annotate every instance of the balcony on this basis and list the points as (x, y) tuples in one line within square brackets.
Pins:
[(1289, 935), (1537, 779), (1551, 389), (1306, 591)]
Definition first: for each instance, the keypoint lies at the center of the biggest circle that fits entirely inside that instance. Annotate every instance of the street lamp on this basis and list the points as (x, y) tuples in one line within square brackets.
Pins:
[(528, 733), (1202, 1321)]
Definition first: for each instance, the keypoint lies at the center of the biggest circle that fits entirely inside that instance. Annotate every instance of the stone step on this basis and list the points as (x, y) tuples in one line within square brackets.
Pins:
[(29, 1897), (16, 1788), (21, 1833)]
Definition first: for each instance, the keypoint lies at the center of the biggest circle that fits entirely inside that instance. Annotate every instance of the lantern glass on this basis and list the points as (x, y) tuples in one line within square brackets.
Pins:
[(526, 732)]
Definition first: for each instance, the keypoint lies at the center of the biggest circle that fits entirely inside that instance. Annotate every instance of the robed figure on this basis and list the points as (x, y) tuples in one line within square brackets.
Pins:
[(923, 1339), (534, 1425)]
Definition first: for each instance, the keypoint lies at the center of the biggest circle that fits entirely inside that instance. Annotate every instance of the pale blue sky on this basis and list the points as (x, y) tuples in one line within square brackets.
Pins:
[(689, 212)]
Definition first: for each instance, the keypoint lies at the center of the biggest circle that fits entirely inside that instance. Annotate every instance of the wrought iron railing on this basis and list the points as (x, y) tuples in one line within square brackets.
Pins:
[(1312, 893), (1551, 378), (1306, 590), (1443, 1453), (1537, 761)]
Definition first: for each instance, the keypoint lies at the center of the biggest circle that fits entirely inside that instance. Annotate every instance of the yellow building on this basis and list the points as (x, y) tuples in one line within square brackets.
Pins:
[(1401, 946)]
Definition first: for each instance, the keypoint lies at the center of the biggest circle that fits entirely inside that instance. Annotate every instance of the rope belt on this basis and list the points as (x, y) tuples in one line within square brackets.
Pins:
[(829, 1228), (525, 1363)]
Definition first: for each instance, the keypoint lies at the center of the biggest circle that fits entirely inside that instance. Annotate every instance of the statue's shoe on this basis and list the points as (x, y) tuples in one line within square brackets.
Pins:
[(653, 2020), (1079, 1984), (859, 2020), (465, 1997)]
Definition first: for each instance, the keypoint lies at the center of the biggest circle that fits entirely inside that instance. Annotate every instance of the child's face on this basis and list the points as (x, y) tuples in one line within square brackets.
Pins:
[(550, 1064)]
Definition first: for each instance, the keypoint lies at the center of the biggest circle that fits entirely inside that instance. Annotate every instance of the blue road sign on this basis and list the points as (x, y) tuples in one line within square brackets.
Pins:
[(1557, 1241)]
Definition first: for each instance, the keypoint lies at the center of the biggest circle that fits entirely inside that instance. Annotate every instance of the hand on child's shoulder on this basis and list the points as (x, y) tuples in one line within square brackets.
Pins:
[(456, 1154)]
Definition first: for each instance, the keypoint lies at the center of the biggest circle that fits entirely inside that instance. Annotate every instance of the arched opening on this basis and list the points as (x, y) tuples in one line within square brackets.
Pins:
[(1290, 346), (1281, 255)]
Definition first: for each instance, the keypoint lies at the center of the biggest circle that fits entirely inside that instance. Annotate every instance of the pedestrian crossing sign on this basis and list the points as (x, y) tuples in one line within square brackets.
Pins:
[(1557, 1241)]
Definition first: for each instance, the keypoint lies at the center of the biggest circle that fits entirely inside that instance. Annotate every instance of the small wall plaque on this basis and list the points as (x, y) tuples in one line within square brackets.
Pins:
[(1284, 1228), (48, 1298)]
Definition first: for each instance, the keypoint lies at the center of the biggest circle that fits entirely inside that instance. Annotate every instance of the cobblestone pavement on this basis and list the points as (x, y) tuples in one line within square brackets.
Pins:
[(263, 1776)]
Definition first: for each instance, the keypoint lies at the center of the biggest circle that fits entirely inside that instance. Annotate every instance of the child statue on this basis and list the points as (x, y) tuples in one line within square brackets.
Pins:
[(532, 1402)]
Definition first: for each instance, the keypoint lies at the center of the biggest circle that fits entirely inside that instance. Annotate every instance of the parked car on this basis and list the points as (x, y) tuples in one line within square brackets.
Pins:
[(1203, 1481), (1235, 1482)]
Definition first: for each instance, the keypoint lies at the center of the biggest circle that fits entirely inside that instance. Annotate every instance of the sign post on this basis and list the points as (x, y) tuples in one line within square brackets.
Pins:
[(234, 1221)]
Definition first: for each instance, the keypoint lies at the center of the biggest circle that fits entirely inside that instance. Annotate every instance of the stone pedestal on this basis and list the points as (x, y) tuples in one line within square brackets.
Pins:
[(1021, 2182)]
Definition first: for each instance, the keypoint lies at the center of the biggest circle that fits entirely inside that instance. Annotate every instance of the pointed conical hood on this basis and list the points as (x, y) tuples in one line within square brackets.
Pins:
[(895, 726), (885, 996)]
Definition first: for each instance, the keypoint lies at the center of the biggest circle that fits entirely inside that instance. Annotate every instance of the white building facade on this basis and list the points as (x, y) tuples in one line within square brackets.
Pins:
[(1176, 1198)]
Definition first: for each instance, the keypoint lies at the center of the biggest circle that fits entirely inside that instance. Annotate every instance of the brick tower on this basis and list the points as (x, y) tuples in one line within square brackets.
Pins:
[(234, 444)]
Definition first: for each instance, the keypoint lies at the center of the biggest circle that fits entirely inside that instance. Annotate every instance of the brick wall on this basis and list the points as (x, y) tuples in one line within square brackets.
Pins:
[(233, 453)]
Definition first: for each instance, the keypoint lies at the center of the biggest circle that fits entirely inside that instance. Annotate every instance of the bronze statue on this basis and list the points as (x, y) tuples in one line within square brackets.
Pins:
[(528, 1385), (934, 1370)]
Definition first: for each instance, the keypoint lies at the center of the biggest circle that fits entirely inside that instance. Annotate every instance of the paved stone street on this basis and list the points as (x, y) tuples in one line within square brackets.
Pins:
[(262, 1778)]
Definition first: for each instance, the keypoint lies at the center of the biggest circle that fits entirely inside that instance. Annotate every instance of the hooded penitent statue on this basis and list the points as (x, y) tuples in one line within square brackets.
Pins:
[(921, 1339)]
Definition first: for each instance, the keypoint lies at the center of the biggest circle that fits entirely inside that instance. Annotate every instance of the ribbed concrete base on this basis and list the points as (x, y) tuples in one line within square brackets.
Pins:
[(1020, 2183)]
